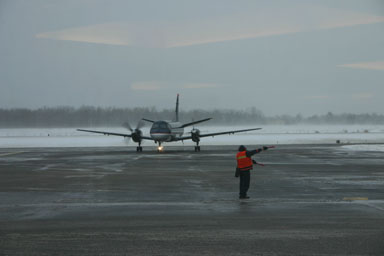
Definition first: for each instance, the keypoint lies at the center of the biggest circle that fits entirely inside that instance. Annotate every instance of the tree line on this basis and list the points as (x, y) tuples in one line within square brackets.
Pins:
[(88, 116)]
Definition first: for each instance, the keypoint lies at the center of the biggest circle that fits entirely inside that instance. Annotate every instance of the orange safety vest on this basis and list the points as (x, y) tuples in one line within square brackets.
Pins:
[(244, 163)]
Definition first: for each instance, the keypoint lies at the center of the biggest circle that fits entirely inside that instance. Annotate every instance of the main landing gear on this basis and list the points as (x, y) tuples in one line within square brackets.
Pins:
[(139, 148), (197, 147)]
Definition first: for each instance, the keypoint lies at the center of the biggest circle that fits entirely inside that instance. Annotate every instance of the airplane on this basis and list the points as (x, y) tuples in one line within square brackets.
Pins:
[(167, 131)]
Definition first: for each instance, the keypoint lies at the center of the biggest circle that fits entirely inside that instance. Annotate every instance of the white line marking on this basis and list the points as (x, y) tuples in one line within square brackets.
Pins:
[(354, 198), (12, 153), (85, 204)]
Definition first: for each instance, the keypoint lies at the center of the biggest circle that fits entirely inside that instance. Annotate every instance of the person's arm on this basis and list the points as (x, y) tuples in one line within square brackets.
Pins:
[(252, 152)]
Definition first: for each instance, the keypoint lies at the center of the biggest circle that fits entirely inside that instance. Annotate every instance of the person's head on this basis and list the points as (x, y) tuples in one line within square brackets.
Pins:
[(242, 148)]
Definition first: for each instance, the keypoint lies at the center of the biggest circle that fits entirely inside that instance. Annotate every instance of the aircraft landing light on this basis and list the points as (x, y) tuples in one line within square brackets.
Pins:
[(160, 148)]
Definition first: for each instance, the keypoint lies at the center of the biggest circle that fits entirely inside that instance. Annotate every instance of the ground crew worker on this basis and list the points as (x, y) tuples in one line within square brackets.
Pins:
[(244, 165)]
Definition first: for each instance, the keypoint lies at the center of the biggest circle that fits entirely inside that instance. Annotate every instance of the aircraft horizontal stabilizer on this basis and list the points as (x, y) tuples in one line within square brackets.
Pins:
[(195, 122), (151, 121)]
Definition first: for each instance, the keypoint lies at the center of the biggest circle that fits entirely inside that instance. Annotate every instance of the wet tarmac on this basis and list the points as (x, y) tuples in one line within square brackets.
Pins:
[(307, 200)]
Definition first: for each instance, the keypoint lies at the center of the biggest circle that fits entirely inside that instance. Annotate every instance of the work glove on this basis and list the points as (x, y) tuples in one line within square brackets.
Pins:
[(253, 161), (265, 148)]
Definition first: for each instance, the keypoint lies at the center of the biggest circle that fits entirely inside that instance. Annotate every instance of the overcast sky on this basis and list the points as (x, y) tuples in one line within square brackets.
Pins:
[(282, 57)]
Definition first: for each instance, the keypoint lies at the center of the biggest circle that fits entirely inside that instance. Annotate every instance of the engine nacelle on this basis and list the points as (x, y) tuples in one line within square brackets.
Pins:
[(136, 135), (195, 133)]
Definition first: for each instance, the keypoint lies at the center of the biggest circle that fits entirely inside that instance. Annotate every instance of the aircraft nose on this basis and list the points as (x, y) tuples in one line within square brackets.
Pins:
[(160, 134)]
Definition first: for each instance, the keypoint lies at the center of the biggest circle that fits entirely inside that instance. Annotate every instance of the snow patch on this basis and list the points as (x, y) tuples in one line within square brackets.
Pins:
[(364, 147)]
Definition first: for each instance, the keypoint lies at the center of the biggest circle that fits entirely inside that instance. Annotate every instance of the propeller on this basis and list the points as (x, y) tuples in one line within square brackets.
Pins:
[(127, 140), (135, 133), (195, 133)]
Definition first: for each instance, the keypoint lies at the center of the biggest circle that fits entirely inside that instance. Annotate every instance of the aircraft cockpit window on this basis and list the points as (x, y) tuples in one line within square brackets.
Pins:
[(163, 125)]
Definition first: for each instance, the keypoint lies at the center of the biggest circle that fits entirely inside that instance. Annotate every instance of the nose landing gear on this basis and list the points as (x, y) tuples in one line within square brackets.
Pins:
[(160, 148)]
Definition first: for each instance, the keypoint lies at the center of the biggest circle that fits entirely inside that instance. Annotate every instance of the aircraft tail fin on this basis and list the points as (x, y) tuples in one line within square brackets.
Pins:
[(177, 109)]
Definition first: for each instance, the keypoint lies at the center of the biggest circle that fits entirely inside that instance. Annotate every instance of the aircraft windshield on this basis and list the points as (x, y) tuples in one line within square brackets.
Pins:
[(160, 125)]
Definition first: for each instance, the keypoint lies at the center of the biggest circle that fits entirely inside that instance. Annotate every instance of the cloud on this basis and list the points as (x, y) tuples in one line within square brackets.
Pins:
[(362, 96), (338, 19), (376, 65), (110, 33), (263, 22)]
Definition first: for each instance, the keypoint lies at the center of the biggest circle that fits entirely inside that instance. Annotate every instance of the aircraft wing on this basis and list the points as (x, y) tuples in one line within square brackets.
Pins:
[(218, 133), (114, 134)]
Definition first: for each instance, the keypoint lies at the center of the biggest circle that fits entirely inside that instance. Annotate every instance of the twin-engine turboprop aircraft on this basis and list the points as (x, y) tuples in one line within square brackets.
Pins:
[(167, 131)]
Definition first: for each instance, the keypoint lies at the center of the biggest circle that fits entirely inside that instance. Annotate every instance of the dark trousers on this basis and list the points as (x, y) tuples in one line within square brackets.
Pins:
[(245, 178)]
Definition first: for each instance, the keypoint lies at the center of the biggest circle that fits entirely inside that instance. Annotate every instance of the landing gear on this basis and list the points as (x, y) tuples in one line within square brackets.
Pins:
[(160, 148), (139, 148), (197, 147)]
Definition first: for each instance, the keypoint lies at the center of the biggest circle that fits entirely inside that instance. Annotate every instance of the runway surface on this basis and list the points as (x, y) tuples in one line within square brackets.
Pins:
[(307, 200)]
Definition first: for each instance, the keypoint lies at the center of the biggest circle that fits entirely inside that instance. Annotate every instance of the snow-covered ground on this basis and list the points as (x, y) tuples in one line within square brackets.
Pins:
[(272, 134), (364, 147)]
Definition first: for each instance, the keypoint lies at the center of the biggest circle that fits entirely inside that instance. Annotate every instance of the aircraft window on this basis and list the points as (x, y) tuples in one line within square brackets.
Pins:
[(163, 125), (155, 125)]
